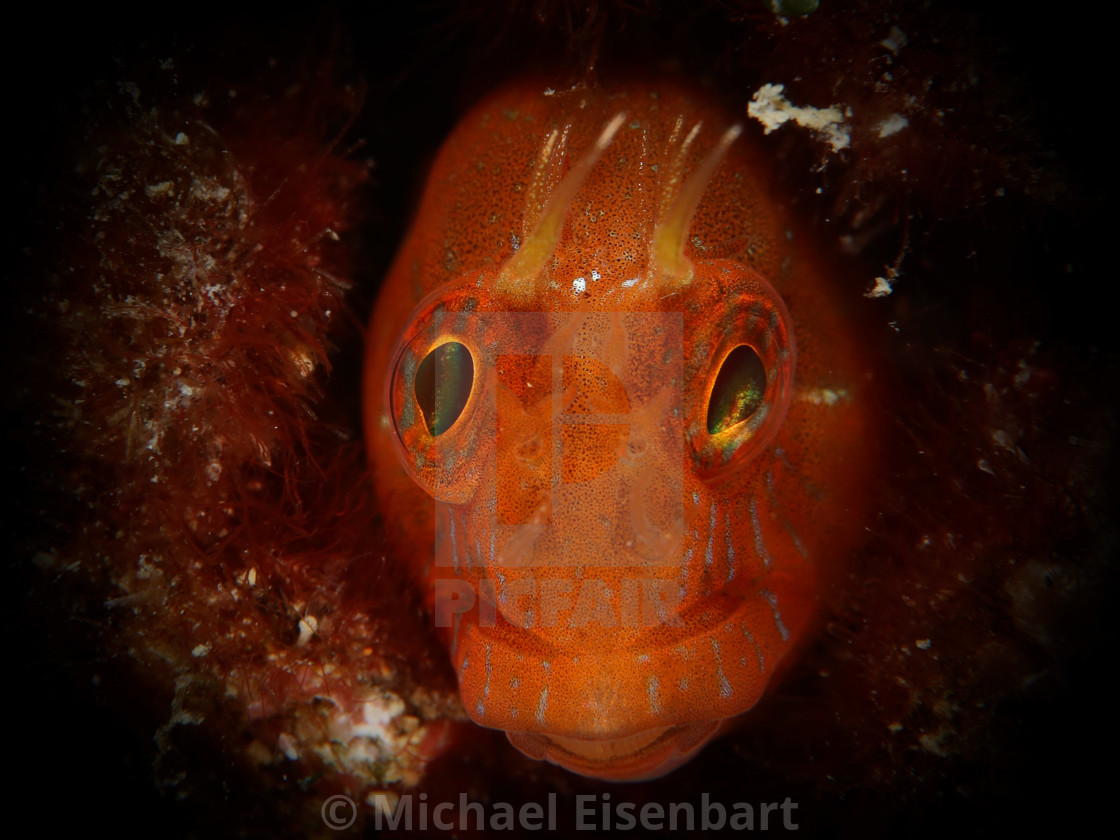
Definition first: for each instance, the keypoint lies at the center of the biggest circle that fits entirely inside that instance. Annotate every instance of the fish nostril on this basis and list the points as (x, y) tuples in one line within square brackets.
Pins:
[(530, 449), (656, 524)]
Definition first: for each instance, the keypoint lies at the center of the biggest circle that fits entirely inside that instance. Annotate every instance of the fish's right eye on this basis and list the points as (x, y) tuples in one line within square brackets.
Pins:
[(443, 385), (443, 423)]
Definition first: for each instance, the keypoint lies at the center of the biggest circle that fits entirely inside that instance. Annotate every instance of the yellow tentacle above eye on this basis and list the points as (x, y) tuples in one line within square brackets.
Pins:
[(669, 260), (517, 278)]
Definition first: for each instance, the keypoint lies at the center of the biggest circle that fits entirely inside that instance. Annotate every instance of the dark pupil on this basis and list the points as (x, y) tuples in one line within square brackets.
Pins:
[(738, 390), (443, 385)]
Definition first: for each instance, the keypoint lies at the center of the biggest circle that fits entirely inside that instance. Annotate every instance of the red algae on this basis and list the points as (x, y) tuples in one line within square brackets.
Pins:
[(220, 527)]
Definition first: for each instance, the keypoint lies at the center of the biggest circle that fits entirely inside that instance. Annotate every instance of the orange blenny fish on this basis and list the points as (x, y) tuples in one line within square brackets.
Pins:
[(616, 419)]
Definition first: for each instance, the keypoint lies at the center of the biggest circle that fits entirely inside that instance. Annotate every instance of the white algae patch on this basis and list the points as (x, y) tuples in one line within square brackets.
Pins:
[(771, 108)]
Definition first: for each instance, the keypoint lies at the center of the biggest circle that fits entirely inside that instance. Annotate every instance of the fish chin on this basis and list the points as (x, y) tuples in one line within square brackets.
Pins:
[(643, 755)]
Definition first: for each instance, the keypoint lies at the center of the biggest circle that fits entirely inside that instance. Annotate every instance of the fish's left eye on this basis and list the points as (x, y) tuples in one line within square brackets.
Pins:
[(738, 391), (743, 377)]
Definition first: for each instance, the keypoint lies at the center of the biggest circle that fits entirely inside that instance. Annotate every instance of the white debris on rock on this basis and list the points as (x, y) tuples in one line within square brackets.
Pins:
[(822, 396), (288, 745), (386, 801), (882, 288), (892, 125), (376, 741), (771, 108), (895, 40), (308, 627)]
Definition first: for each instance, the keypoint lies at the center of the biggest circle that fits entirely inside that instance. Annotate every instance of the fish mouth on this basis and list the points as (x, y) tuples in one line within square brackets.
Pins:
[(631, 758)]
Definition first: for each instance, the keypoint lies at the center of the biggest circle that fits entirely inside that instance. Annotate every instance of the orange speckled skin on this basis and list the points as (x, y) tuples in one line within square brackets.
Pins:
[(567, 647)]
